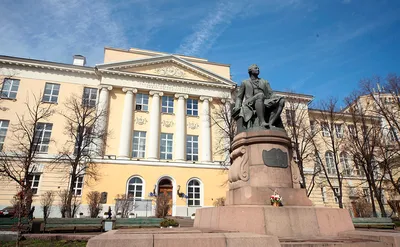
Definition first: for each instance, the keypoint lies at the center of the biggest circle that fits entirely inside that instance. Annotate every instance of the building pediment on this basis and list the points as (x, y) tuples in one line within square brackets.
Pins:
[(168, 66)]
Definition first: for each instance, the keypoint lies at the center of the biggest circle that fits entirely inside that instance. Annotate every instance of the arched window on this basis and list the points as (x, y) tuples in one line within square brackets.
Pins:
[(344, 161), (194, 193), (135, 188), (330, 164)]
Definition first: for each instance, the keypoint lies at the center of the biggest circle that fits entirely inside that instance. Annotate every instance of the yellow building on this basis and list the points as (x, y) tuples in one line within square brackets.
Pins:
[(159, 113)]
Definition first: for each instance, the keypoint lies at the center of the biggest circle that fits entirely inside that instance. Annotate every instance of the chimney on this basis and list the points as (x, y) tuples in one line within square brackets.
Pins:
[(79, 60)]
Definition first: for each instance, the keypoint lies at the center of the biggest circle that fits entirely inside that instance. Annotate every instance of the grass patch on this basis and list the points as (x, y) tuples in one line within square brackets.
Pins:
[(45, 243)]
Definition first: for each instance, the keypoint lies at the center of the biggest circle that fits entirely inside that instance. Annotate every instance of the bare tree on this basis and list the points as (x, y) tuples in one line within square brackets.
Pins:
[(363, 140), (330, 139), (74, 205), (385, 94), (27, 139), (46, 201), (124, 205), (298, 128), (81, 127), (226, 129), (94, 198)]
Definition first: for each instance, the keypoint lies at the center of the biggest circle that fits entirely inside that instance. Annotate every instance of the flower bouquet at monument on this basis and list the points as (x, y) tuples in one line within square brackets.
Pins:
[(276, 200)]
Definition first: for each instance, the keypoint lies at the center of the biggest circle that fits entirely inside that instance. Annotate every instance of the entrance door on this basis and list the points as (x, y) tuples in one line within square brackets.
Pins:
[(165, 187)]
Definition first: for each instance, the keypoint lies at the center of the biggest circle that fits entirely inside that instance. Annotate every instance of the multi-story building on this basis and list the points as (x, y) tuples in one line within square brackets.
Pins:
[(159, 113)]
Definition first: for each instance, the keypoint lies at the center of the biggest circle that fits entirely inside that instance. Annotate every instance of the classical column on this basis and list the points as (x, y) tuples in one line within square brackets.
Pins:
[(154, 135), (126, 125), (205, 129), (180, 133), (102, 113)]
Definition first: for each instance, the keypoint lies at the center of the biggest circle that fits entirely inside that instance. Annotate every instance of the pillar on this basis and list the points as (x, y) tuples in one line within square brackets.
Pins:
[(180, 133), (154, 135), (205, 129), (102, 113), (125, 138)]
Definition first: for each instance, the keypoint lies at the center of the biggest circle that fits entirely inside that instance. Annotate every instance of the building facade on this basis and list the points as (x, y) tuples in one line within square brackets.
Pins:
[(159, 113)]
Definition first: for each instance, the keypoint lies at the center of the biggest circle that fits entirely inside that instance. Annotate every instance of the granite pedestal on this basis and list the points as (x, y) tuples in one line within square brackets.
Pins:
[(263, 165)]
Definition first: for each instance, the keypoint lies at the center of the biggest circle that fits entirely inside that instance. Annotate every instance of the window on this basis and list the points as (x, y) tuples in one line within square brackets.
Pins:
[(339, 130), (323, 194), (366, 195), (139, 144), (358, 170), (192, 148), (34, 182), (166, 146), (78, 186), (336, 194), (192, 107), (330, 164), (194, 193), (317, 162), (85, 137), (142, 102), (89, 96), (382, 194), (313, 127), (3, 132), (10, 88), (325, 129), (42, 136), (167, 104), (51, 91), (135, 188), (375, 168), (290, 115), (351, 129), (392, 134), (344, 161)]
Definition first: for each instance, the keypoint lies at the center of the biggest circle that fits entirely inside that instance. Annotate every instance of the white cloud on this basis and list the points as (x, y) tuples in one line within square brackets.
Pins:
[(207, 31), (57, 29)]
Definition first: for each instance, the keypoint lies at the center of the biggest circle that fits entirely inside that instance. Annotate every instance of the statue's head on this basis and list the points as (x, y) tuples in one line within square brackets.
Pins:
[(254, 70)]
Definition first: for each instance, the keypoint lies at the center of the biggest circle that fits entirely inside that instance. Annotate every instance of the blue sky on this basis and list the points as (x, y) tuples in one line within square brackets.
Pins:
[(318, 47)]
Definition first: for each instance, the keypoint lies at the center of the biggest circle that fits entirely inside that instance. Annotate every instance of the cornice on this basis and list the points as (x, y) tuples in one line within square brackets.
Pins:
[(165, 59), (39, 64), (164, 78)]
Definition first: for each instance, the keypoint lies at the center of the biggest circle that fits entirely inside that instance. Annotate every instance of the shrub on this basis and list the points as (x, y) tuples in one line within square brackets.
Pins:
[(94, 198), (46, 201), (162, 205), (169, 222), (219, 202), (124, 205)]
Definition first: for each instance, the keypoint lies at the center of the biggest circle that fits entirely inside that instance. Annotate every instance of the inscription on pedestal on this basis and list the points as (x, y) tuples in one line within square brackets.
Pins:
[(275, 158)]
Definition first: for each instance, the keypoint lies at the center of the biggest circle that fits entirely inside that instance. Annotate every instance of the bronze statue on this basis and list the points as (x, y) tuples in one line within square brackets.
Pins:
[(256, 105)]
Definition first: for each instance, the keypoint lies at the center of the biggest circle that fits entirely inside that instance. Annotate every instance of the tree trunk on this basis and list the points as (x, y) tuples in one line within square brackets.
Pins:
[(371, 195)]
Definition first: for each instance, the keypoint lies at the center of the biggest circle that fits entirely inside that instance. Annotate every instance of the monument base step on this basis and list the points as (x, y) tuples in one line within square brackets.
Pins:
[(181, 238), (176, 237), (335, 243), (290, 221)]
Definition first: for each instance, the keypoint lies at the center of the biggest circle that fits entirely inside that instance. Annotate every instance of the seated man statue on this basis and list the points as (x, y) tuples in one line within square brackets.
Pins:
[(256, 105)]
